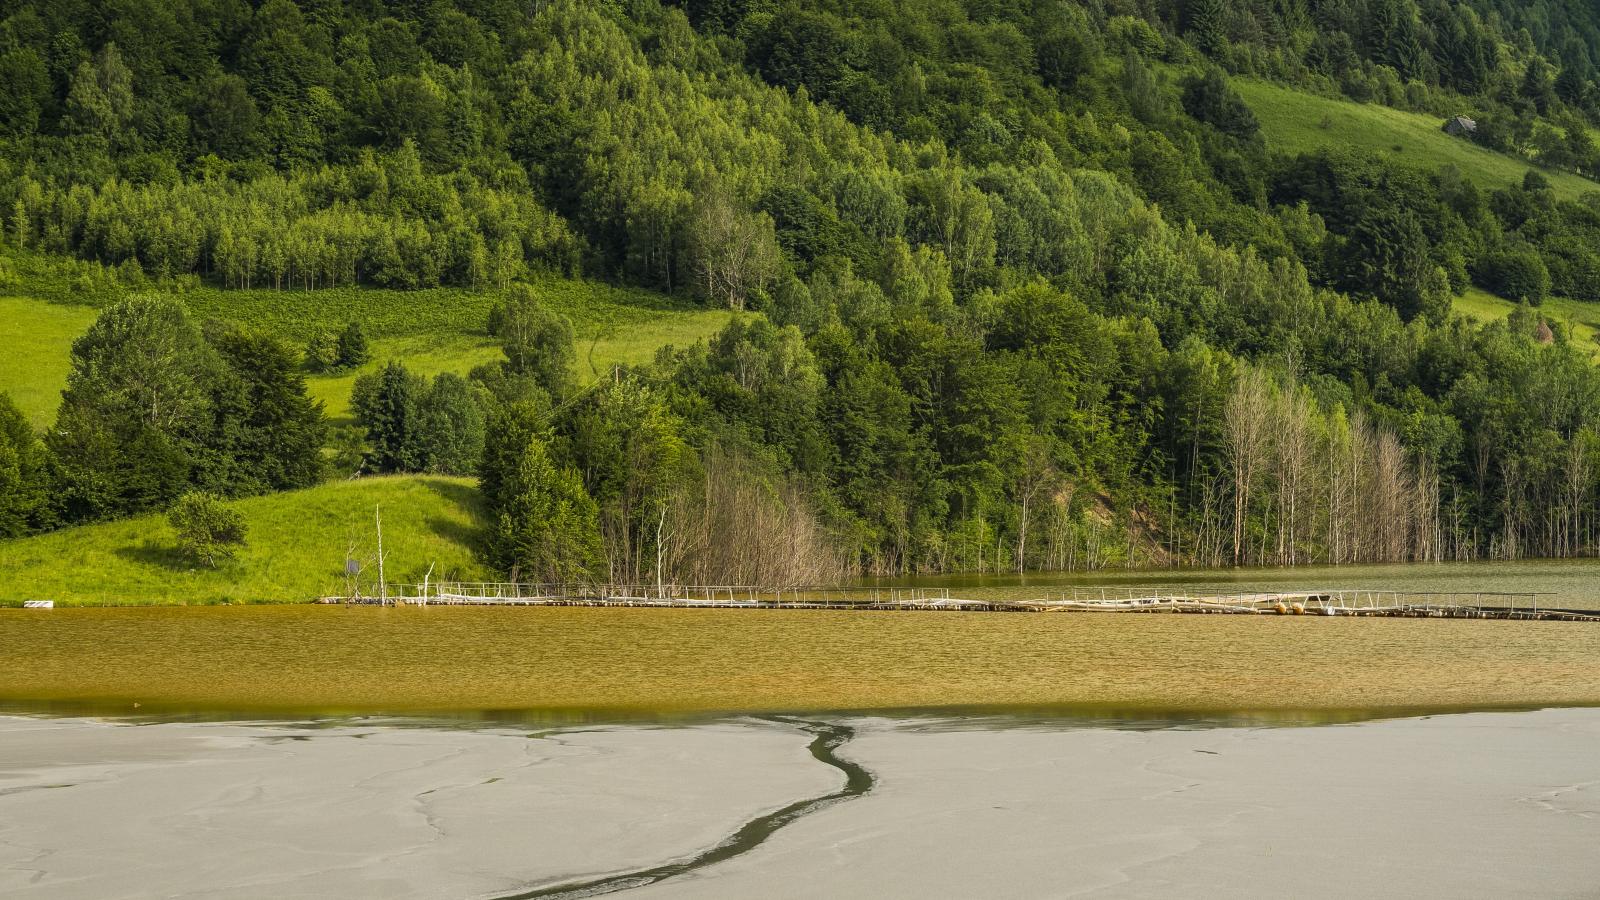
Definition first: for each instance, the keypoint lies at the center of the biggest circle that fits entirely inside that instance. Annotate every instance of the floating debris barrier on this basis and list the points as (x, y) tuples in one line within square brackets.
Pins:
[(1333, 602)]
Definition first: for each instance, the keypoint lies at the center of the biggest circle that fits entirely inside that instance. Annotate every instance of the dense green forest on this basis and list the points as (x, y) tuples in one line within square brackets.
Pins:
[(1023, 286)]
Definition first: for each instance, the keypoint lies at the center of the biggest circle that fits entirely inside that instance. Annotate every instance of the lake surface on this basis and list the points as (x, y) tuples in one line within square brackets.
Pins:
[(515, 752), (564, 663)]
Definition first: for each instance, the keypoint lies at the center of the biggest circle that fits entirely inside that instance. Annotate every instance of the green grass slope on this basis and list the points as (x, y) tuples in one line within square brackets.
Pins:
[(618, 335), (298, 541), (432, 331), (295, 551), (1293, 121), (33, 366), (1583, 319)]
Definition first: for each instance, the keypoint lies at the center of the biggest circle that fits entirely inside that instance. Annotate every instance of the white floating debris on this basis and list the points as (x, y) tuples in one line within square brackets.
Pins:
[(39, 604)]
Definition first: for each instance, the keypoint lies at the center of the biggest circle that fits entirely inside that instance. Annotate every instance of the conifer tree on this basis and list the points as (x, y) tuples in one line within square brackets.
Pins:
[(23, 495), (1208, 25), (352, 346), (385, 403), (1572, 84)]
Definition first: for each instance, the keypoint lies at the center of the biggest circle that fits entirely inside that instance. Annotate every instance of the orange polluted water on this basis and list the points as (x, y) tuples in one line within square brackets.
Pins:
[(299, 660)]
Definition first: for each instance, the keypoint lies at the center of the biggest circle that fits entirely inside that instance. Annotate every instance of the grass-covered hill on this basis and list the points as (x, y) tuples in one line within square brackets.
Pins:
[(297, 545), (430, 331), (1297, 121), (297, 541)]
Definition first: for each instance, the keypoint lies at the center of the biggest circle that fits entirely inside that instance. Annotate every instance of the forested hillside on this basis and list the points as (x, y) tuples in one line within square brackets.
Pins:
[(1024, 286), (1524, 70)]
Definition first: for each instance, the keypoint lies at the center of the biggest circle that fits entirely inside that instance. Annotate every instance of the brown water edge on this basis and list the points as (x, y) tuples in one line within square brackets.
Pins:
[(1571, 583), (591, 664)]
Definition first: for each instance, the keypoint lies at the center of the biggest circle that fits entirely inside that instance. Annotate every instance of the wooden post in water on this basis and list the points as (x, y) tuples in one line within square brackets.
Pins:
[(383, 586)]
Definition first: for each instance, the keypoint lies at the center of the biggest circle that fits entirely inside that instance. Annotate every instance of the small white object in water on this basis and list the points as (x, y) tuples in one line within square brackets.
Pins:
[(39, 604)]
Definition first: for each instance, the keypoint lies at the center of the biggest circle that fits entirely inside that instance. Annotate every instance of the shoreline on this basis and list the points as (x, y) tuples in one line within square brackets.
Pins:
[(991, 716), (1502, 803), (1566, 576)]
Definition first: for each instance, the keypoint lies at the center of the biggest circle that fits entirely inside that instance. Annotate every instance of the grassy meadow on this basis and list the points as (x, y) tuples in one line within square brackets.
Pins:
[(620, 337), (295, 548), (33, 368), (297, 541), (431, 331), (1294, 121), (1582, 318)]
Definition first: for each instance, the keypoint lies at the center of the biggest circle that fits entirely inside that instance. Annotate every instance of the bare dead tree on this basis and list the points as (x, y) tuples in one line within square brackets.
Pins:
[(1513, 509), (1427, 539), (1246, 437), (1035, 473), (1391, 489), (735, 250), (1294, 445), (738, 526), (1579, 479)]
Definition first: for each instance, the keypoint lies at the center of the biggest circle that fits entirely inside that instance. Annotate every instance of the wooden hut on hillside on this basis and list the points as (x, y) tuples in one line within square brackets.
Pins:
[(1460, 126)]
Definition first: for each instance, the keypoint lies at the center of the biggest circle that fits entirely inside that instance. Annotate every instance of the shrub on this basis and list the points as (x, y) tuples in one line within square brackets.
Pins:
[(208, 530), (322, 352)]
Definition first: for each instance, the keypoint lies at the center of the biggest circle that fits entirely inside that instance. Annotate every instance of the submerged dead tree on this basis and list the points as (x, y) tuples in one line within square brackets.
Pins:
[(1309, 484), (741, 526), (1246, 420)]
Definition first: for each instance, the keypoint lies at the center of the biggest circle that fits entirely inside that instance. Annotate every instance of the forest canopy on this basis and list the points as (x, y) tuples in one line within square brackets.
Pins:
[(1023, 284)]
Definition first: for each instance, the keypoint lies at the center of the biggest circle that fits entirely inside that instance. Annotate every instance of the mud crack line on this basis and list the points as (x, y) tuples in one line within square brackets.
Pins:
[(827, 738)]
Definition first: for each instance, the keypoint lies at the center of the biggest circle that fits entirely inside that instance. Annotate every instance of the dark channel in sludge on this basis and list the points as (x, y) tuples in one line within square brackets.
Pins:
[(827, 738)]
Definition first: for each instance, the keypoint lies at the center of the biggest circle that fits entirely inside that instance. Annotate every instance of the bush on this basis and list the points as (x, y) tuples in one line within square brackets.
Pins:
[(208, 530), (322, 352), (329, 352)]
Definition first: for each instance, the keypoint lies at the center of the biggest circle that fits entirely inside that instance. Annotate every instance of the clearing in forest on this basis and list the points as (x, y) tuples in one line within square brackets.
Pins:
[(431, 331), (1293, 121)]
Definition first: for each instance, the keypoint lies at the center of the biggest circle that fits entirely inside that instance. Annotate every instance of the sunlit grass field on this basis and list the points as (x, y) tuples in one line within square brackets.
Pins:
[(431, 331), (33, 364), (1294, 121), (598, 345), (295, 548), (1582, 318)]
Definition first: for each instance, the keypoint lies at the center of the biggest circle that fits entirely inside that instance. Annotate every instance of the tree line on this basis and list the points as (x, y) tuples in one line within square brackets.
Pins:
[(380, 221), (996, 443)]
